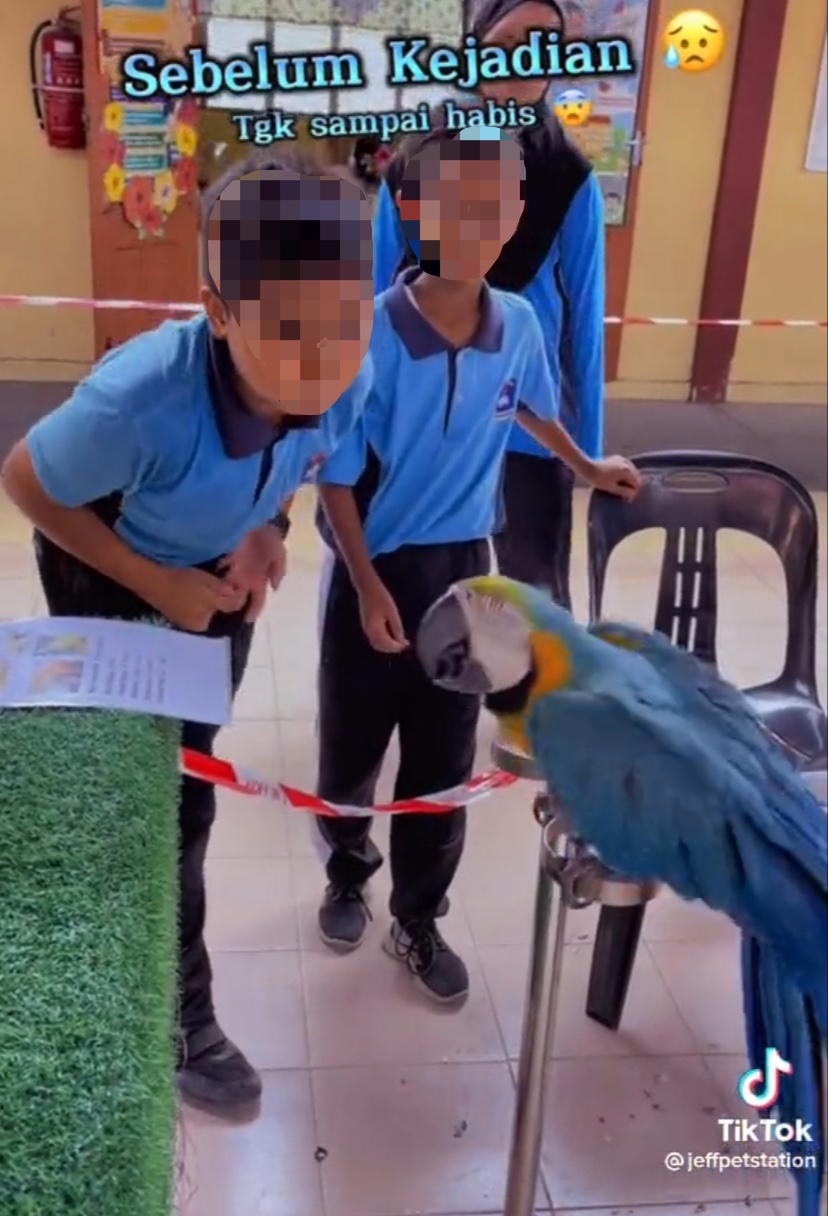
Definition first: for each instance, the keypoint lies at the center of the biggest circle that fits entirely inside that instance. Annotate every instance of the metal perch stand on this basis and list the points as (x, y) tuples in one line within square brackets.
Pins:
[(570, 876)]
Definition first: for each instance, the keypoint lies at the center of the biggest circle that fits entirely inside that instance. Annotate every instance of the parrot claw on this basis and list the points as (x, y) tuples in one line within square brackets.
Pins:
[(547, 808), (574, 867), (578, 871), (542, 809), (581, 882)]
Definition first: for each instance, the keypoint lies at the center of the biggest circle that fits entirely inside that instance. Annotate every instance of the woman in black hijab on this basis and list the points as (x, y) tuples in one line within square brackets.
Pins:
[(556, 260)]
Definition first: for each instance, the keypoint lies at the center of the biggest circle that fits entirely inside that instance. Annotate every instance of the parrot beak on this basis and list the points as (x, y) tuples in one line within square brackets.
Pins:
[(470, 643), (444, 648)]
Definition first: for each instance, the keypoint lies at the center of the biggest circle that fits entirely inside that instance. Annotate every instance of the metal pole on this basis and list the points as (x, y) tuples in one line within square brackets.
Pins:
[(538, 1028)]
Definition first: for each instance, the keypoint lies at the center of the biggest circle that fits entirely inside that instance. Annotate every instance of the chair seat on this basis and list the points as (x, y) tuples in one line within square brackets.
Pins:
[(691, 497), (797, 721)]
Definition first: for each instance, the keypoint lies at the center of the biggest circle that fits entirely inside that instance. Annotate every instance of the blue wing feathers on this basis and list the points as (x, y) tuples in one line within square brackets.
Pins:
[(697, 823), (778, 1015), (727, 712), (668, 774)]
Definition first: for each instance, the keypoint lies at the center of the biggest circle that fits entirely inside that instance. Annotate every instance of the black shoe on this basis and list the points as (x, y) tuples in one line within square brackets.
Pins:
[(214, 1072), (438, 970), (343, 917)]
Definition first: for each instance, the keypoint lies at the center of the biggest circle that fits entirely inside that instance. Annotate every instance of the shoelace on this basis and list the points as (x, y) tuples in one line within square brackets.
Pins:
[(424, 944), (350, 895)]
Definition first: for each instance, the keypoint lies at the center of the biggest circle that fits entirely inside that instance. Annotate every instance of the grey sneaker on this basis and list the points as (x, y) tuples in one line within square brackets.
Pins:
[(343, 917), (212, 1071), (437, 969)]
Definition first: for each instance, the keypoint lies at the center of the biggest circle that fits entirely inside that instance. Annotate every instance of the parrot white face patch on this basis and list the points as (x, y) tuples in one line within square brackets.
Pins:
[(498, 639)]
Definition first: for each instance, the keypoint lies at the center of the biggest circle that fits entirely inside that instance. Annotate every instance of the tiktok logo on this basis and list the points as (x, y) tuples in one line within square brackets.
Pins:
[(759, 1087)]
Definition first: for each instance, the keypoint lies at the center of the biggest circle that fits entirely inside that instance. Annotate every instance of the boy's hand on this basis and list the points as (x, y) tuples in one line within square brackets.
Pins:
[(191, 598), (616, 475), (381, 620), (258, 562)]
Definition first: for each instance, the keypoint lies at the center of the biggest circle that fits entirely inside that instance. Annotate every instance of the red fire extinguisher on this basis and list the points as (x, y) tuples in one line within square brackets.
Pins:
[(56, 67)]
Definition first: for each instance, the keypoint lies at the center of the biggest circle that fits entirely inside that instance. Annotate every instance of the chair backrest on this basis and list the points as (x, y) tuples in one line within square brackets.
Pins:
[(692, 495)]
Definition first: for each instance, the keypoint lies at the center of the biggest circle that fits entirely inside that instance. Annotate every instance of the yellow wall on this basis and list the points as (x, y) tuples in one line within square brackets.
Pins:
[(788, 274), (685, 128), (44, 218), (46, 249), (679, 176)]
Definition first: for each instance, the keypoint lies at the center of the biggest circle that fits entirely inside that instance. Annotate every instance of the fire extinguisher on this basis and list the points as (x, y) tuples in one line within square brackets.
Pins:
[(56, 69)]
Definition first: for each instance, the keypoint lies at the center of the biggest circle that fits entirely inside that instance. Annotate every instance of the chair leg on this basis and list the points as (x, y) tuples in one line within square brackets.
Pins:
[(613, 956)]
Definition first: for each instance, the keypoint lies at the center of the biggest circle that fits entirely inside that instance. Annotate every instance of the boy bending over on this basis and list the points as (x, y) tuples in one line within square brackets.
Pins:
[(155, 488)]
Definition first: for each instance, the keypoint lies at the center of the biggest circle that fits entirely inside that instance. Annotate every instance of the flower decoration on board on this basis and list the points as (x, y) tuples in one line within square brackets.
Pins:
[(187, 112), (114, 183), (113, 116), (165, 194), (186, 139), (112, 148), (138, 200), (153, 219), (185, 174), (148, 150)]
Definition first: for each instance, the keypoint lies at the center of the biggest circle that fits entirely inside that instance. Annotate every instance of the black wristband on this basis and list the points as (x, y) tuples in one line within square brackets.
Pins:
[(282, 523)]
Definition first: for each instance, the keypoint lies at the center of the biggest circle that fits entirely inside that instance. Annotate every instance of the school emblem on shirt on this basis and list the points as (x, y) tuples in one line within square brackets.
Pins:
[(505, 405), (313, 466)]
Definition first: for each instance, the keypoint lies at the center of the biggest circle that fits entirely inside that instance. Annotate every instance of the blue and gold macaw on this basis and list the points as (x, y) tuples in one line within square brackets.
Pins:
[(669, 775)]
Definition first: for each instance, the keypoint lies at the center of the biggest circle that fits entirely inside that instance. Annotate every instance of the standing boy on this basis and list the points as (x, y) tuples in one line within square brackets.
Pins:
[(153, 488), (410, 500), (555, 260)]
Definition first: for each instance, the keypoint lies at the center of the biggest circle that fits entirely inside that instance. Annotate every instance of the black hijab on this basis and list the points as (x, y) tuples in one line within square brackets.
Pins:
[(555, 171)]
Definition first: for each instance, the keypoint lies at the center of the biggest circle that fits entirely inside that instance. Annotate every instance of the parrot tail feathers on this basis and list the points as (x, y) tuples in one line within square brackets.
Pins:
[(780, 1016)]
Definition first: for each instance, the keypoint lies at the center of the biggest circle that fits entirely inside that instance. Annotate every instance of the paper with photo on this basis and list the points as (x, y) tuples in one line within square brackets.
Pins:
[(88, 663)]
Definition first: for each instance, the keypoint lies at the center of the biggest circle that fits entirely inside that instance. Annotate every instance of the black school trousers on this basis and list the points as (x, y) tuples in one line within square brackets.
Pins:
[(74, 589), (364, 696), (535, 542)]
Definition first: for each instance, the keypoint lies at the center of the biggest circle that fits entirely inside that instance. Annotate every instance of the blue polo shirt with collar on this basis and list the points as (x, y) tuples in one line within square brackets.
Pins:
[(159, 423), (567, 294), (425, 456)]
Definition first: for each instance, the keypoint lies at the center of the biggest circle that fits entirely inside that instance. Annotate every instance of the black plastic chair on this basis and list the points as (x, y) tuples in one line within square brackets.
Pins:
[(692, 495)]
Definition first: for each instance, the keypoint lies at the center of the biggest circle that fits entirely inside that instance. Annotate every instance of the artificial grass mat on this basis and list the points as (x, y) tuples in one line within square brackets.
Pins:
[(88, 840)]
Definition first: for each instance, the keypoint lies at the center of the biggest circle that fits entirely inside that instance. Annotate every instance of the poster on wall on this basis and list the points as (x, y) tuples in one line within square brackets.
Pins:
[(149, 147), (600, 115), (816, 158)]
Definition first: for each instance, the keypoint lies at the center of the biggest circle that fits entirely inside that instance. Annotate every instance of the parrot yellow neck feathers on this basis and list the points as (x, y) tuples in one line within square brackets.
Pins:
[(553, 664), (551, 670)]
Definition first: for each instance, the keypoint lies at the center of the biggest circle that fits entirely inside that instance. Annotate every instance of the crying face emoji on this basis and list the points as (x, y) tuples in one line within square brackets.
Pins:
[(573, 107), (693, 41)]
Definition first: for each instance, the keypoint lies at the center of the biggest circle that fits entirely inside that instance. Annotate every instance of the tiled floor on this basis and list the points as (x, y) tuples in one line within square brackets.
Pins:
[(376, 1104)]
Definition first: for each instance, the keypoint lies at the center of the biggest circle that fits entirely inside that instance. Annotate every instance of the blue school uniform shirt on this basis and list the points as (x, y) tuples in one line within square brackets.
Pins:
[(425, 456), (567, 295), (159, 422)]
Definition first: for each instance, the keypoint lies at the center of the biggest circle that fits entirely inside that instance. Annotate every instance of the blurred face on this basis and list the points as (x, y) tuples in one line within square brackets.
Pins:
[(291, 259), (511, 31), (460, 205)]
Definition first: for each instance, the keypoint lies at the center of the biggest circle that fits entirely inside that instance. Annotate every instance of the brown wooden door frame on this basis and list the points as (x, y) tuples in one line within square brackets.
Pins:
[(737, 197), (619, 238), (124, 266)]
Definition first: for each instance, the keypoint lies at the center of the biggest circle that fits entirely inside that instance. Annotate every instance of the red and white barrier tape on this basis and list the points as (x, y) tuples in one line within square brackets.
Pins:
[(227, 775), (740, 322), (83, 302), (159, 306)]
